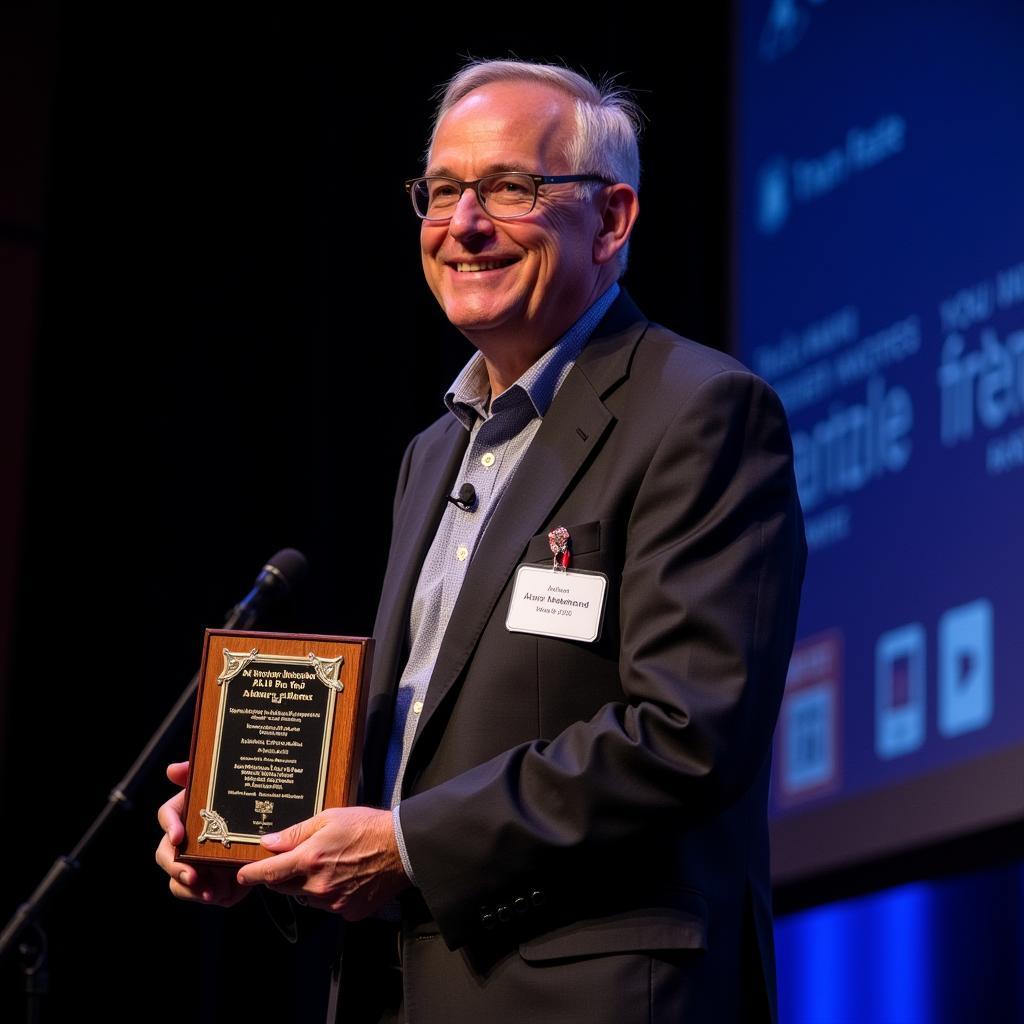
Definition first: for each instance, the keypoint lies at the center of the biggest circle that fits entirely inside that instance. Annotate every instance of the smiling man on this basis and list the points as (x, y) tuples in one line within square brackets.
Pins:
[(566, 763), (513, 263)]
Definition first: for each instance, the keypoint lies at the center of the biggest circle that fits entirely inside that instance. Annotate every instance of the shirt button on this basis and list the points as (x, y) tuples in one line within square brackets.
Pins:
[(462, 553), (417, 707), (487, 459)]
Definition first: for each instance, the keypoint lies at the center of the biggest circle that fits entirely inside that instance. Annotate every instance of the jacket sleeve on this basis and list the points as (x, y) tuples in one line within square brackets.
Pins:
[(713, 566)]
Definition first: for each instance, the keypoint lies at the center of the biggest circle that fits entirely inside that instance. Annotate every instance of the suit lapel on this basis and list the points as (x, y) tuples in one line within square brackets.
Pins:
[(574, 426)]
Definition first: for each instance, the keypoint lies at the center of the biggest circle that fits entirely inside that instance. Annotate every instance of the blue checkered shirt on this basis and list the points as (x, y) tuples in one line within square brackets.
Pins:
[(500, 431)]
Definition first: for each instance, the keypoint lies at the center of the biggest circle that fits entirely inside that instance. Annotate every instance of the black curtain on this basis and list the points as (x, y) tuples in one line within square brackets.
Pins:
[(233, 346)]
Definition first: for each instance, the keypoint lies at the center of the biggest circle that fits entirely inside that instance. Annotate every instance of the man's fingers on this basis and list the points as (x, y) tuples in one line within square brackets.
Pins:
[(289, 838), (185, 892), (279, 870), (171, 811), (274, 871), (165, 859), (206, 890), (213, 885), (169, 817), (183, 874)]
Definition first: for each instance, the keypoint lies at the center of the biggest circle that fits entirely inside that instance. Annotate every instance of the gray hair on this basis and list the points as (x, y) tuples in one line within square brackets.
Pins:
[(608, 120)]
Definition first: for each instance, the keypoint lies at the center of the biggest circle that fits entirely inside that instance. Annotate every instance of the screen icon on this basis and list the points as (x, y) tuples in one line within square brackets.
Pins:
[(807, 744), (900, 691), (965, 668), (808, 751)]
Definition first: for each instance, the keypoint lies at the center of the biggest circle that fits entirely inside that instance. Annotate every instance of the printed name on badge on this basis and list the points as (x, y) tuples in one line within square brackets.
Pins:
[(568, 605)]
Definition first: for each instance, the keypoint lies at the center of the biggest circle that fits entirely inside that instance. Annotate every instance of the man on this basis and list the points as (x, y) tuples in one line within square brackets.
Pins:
[(577, 825)]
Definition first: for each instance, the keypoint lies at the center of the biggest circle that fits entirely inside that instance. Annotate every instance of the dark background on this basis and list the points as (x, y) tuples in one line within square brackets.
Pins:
[(209, 290)]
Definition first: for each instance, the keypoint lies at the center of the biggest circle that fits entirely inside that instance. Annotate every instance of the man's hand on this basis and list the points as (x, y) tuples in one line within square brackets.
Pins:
[(344, 860), (203, 884)]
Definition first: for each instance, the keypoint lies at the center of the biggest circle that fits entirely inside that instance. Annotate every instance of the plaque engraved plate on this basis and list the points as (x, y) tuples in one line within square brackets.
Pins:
[(273, 738), (277, 737)]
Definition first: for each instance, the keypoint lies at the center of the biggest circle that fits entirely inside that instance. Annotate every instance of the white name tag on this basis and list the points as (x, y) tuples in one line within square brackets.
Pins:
[(569, 605)]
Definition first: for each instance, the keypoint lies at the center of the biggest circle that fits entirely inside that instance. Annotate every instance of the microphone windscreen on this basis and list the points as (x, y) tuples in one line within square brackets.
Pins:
[(288, 565)]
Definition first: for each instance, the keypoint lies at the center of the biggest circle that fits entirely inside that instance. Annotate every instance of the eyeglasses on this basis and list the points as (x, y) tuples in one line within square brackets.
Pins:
[(504, 195)]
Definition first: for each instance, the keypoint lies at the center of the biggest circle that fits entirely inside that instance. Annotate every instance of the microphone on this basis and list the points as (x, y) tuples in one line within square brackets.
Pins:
[(466, 499), (277, 578)]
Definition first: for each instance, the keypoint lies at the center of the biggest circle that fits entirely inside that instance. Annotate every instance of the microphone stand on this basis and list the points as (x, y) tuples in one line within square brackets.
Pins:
[(24, 926)]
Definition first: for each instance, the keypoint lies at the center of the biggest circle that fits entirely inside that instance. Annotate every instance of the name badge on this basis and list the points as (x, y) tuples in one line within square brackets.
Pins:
[(568, 605)]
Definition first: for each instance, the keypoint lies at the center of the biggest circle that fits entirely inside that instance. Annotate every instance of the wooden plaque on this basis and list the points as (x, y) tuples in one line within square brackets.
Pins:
[(278, 737)]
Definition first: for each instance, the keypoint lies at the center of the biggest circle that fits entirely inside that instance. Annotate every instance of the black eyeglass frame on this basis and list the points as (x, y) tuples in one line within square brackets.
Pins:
[(537, 179)]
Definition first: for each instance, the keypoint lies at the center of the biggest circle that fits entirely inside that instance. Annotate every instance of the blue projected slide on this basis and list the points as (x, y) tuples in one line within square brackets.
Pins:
[(880, 289)]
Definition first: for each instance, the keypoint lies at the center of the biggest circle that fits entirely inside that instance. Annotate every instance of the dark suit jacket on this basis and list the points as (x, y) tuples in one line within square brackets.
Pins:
[(586, 822)]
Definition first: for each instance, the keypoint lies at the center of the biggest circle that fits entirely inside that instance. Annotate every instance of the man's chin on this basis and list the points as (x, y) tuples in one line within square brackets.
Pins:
[(470, 320)]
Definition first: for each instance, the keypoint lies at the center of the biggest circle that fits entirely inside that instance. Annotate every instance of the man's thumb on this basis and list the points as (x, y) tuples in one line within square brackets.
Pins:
[(287, 839)]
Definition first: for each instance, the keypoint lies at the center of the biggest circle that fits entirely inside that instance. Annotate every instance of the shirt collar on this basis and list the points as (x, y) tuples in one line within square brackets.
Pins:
[(470, 393)]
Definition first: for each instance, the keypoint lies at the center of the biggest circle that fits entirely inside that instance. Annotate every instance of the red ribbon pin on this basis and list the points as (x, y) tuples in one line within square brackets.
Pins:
[(560, 542)]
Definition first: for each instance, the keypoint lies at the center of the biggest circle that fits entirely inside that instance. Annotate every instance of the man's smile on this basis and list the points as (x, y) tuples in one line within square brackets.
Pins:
[(477, 266)]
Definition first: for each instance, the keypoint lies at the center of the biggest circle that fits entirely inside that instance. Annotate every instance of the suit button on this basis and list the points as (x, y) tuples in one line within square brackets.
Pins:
[(504, 914), (537, 898), (487, 919), (522, 904)]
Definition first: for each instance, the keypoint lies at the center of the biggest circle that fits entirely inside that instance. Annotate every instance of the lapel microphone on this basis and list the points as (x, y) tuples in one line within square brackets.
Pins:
[(466, 499)]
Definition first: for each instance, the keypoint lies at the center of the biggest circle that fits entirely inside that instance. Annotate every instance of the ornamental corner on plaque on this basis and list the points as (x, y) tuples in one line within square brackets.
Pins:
[(277, 738)]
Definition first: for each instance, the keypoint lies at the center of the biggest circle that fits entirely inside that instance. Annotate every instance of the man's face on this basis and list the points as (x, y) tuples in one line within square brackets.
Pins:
[(525, 281)]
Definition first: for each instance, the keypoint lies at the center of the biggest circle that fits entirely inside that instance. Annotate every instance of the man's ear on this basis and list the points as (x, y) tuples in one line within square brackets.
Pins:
[(619, 206)]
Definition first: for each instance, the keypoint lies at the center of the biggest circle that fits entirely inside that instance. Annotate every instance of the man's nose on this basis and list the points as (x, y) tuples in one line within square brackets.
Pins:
[(469, 217)]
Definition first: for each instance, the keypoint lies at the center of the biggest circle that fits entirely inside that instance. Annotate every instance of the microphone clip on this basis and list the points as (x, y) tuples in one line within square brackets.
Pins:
[(465, 499)]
